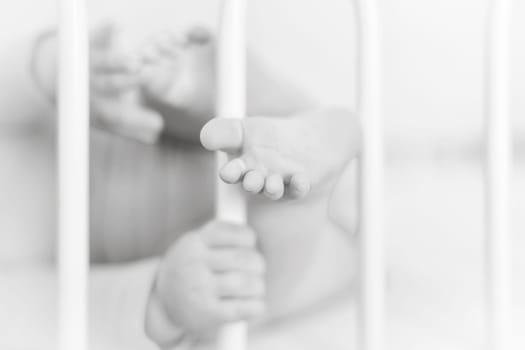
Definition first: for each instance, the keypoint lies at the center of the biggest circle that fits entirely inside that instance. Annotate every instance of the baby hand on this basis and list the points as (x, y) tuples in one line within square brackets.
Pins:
[(209, 277)]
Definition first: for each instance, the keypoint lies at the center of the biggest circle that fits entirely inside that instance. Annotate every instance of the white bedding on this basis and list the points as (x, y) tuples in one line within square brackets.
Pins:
[(434, 230)]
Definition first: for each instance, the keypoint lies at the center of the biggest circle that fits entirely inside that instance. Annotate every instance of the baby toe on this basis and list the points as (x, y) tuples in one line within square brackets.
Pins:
[(299, 186), (253, 181), (223, 135), (274, 187), (233, 171)]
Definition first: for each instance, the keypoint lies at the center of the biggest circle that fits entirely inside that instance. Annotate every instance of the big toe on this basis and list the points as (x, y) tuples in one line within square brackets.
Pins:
[(223, 135)]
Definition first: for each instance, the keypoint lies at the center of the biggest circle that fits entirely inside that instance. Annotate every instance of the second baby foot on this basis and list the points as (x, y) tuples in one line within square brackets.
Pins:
[(180, 72), (276, 156)]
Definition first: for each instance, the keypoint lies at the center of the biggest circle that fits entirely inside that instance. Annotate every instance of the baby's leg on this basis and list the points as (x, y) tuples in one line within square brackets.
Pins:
[(280, 157), (178, 78), (309, 259)]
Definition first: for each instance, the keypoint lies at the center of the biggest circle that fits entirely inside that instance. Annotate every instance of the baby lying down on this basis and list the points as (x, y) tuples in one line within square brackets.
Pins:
[(287, 156)]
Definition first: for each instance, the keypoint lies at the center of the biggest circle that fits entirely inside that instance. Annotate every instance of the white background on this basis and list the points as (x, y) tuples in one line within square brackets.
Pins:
[(433, 98)]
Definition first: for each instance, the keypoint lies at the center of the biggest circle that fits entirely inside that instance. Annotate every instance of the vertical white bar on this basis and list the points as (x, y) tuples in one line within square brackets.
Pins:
[(371, 294), (231, 103), (73, 130), (498, 159)]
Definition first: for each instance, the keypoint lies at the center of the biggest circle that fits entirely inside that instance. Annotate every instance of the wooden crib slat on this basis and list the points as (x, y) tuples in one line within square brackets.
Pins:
[(73, 173), (497, 178), (371, 271), (231, 103)]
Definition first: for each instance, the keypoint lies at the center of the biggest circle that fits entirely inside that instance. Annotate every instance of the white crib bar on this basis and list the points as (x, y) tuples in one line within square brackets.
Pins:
[(73, 176), (371, 294), (231, 103), (497, 178)]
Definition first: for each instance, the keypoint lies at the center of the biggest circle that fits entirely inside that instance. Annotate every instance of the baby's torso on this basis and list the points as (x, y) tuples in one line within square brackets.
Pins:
[(144, 197)]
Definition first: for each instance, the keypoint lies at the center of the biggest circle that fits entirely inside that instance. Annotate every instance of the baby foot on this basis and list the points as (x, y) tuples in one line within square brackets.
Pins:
[(180, 73), (116, 103), (274, 156)]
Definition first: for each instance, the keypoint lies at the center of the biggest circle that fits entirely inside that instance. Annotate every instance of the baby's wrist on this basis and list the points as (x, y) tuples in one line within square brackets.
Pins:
[(161, 329)]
